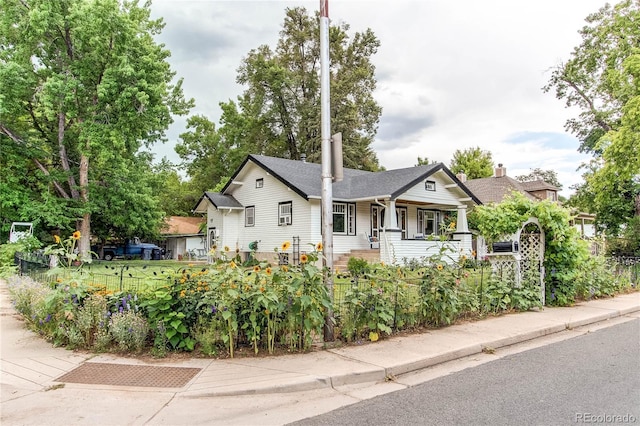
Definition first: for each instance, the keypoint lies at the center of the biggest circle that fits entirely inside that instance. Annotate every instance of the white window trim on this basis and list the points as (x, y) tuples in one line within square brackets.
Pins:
[(285, 218), (248, 223), (349, 212)]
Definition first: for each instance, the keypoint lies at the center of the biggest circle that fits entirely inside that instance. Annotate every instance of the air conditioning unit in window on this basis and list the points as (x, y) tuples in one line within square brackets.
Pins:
[(285, 220)]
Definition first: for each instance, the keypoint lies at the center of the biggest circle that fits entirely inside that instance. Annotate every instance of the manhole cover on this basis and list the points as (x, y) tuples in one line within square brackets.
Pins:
[(95, 373)]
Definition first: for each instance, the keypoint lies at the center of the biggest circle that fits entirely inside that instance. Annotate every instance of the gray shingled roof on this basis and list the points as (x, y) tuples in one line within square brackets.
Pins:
[(305, 179), (537, 185), (222, 201), (495, 189)]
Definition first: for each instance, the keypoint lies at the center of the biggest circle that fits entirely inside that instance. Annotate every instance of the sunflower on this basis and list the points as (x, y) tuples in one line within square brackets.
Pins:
[(304, 258), (256, 268), (440, 267), (268, 271), (56, 238), (232, 265), (319, 247), (284, 268), (76, 235), (226, 248), (286, 245)]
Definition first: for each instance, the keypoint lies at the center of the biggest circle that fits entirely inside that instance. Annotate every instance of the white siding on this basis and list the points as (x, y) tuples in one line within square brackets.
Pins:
[(441, 196), (266, 200)]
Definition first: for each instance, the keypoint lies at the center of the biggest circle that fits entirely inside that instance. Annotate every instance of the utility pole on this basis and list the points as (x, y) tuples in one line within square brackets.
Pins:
[(327, 179)]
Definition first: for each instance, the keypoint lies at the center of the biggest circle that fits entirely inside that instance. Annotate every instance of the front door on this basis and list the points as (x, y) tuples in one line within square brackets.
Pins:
[(212, 240), (377, 221), (401, 213)]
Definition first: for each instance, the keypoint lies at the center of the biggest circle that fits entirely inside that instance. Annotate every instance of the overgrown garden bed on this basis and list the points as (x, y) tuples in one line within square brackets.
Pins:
[(219, 309)]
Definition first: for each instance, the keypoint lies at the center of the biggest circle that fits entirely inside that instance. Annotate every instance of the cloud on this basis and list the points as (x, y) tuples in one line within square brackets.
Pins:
[(451, 75)]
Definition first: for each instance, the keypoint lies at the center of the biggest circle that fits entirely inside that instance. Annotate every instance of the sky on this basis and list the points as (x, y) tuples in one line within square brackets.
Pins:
[(451, 75)]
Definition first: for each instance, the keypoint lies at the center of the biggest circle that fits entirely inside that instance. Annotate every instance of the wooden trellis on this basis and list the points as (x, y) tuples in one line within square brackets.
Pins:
[(526, 260)]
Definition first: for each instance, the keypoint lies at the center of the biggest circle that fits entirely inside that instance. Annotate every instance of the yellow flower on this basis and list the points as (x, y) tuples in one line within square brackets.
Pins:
[(473, 253), (256, 268), (56, 238), (232, 265), (226, 248), (182, 293), (381, 263), (440, 267), (373, 336), (452, 225), (76, 235), (304, 258), (266, 311), (319, 247), (285, 268), (286, 245), (212, 252), (59, 280), (268, 271), (464, 258)]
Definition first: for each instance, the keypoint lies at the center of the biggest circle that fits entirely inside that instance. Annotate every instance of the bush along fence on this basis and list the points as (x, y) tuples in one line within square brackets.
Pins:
[(221, 308)]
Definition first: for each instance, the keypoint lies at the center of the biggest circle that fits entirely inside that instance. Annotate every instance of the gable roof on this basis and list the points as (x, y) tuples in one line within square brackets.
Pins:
[(495, 189), (538, 185), (220, 201), (306, 179)]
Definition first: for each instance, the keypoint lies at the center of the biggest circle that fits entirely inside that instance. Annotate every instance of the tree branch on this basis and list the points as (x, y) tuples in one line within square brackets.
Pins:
[(59, 189)]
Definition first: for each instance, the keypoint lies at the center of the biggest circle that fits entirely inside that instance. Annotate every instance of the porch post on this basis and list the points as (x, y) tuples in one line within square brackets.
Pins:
[(390, 218), (461, 223)]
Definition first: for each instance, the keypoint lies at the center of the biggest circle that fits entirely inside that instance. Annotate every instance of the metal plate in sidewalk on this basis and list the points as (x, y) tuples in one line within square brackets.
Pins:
[(96, 373)]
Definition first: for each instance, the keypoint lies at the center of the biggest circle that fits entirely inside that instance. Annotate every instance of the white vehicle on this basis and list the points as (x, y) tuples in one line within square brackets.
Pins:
[(20, 230)]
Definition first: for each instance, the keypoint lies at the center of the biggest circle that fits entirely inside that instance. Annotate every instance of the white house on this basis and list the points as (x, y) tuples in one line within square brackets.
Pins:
[(399, 213)]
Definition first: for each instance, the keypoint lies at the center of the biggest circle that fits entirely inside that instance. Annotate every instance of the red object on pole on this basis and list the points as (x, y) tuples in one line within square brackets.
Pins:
[(324, 8)]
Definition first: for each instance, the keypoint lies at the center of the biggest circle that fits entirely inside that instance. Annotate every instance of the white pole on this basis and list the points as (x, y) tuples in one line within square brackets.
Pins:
[(327, 190)]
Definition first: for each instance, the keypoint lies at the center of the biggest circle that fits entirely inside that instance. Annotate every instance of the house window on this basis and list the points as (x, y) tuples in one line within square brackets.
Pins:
[(249, 216), (344, 218), (259, 183), (429, 185), (551, 195), (284, 213), (428, 222)]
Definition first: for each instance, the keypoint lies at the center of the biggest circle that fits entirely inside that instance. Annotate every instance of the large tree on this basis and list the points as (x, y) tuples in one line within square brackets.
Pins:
[(549, 176), (84, 87), (602, 80), (474, 162), (280, 108)]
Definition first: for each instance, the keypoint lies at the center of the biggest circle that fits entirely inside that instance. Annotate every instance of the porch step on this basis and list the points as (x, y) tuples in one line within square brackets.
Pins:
[(371, 256)]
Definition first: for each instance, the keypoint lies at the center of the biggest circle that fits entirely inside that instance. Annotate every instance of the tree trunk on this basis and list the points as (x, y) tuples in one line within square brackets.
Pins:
[(85, 223)]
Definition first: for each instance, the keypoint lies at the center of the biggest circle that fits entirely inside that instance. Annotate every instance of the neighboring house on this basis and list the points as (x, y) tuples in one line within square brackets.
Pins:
[(182, 237), (494, 189), (271, 200)]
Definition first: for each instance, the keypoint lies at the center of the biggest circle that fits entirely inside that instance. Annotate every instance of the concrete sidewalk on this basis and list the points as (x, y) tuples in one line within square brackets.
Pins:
[(30, 366)]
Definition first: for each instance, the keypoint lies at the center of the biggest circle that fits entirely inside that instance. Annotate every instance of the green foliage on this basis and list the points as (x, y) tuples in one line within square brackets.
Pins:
[(601, 80), (565, 253), (9, 250), (279, 112), (129, 330), (474, 162), (82, 103), (370, 307), (357, 267), (549, 176)]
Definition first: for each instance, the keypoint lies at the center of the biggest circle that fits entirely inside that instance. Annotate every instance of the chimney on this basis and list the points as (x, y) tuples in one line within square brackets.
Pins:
[(501, 171), (303, 158), (462, 177)]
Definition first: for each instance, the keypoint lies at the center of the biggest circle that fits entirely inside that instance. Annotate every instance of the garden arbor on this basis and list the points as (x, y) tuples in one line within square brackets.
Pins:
[(522, 258)]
